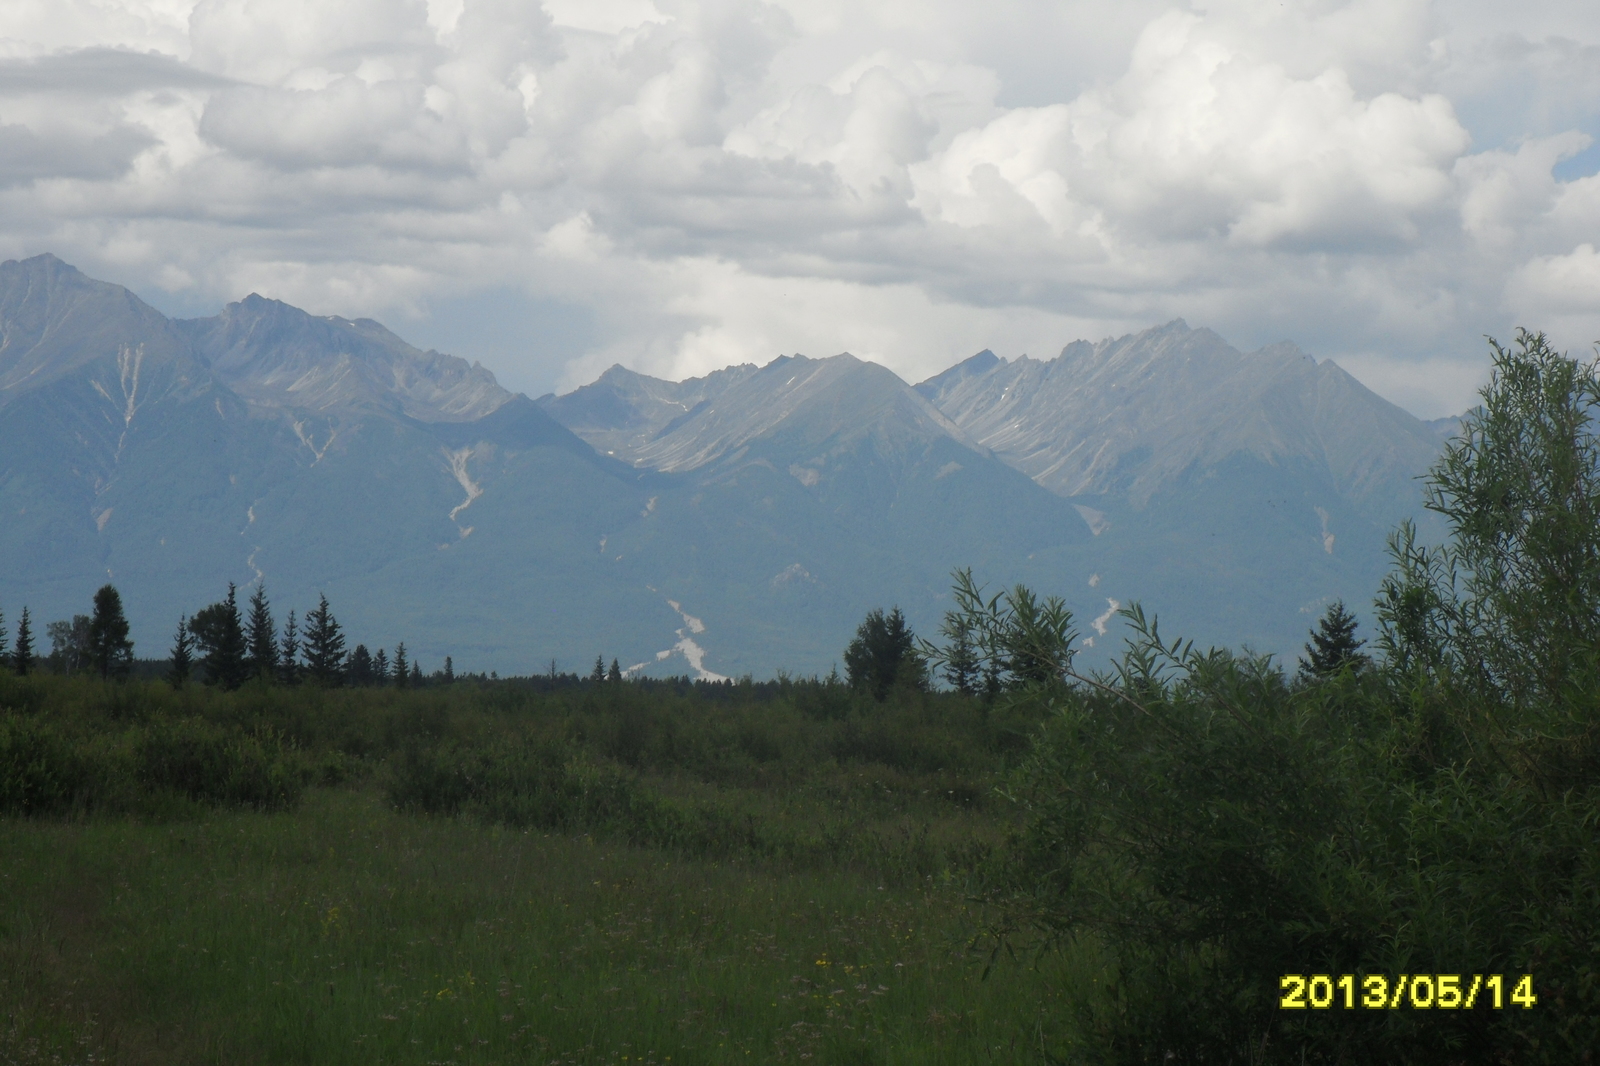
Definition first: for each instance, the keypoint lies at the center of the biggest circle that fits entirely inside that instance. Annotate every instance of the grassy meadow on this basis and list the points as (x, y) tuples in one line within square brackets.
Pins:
[(613, 873)]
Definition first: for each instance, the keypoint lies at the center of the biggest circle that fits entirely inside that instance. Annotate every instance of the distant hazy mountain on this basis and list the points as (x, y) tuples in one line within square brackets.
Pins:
[(623, 411), (1235, 494), (798, 495), (277, 355), (1134, 416), (319, 454), (740, 522)]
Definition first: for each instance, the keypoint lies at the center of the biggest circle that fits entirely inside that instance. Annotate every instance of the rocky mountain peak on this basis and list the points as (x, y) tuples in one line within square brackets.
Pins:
[(1128, 415), (277, 355), (54, 319)]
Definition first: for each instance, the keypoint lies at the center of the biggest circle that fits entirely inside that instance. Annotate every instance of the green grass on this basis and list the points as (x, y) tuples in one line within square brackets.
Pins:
[(345, 932)]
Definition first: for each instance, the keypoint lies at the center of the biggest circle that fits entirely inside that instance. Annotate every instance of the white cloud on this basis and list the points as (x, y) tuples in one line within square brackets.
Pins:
[(717, 181)]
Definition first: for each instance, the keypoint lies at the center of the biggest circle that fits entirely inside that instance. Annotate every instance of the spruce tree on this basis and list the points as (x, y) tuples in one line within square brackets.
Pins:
[(599, 671), (449, 670), (416, 674), (1333, 645), (110, 650), (22, 657), (615, 673), (380, 667), (402, 669), (883, 653), (219, 635), (962, 662), (289, 652), (2, 638), (260, 639), (359, 669), (182, 655), (324, 647)]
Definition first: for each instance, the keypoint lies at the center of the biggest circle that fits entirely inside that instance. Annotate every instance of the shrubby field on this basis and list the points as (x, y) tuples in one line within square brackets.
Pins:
[(1031, 865)]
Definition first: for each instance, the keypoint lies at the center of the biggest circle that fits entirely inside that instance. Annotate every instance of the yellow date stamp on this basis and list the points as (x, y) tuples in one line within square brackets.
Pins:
[(1418, 991)]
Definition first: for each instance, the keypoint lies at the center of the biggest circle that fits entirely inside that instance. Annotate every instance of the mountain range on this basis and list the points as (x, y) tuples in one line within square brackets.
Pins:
[(742, 522)]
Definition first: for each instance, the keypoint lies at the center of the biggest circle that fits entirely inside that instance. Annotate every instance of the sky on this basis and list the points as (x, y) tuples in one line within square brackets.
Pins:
[(680, 185)]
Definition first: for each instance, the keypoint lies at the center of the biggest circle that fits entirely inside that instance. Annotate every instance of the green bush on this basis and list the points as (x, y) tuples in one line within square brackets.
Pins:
[(1209, 827), (41, 770), (212, 764)]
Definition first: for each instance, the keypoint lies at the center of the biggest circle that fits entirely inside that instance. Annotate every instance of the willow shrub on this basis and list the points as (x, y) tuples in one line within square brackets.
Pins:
[(50, 766), (1212, 828)]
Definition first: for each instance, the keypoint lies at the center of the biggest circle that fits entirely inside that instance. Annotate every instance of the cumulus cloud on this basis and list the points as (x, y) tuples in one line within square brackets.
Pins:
[(715, 181)]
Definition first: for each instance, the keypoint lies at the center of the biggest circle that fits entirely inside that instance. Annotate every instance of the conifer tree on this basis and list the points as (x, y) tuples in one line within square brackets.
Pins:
[(260, 639), (2, 638), (324, 647), (416, 674), (380, 667), (219, 634), (289, 652), (359, 669), (962, 662), (599, 671), (449, 670), (110, 650), (182, 655), (402, 668), (22, 653), (1333, 644), (615, 673), (883, 653)]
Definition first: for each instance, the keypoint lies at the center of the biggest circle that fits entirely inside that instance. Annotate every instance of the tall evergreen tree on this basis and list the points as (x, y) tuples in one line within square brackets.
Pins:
[(22, 653), (261, 640), (2, 638), (449, 670), (416, 674), (962, 661), (884, 654), (219, 635), (380, 667), (110, 650), (599, 671), (289, 652), (358, 671), (1333, 644), (402, 669), (182, 655), (615, 673), (324, 651)]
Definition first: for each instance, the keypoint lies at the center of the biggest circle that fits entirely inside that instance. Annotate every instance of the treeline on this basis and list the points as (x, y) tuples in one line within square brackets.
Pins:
[(218, 645), (227, 647)]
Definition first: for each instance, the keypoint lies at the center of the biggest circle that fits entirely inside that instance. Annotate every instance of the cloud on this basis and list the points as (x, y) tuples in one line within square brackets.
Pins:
[(710, 181)]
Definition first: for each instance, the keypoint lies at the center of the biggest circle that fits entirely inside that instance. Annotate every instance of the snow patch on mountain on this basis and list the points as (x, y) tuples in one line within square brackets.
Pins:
[(792, 574), (1095, 520), (306, 438), (129, 363), (686, 646), (1327, 538), (1099, 625), (458, 467)]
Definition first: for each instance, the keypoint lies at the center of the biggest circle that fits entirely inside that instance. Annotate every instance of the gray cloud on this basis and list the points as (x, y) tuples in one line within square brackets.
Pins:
[(100, 71), (26, 155), (710, 181)]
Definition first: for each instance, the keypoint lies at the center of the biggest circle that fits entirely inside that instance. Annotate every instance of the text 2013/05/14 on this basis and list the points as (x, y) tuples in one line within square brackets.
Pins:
[(1423, 991)]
